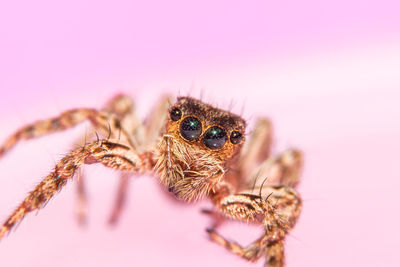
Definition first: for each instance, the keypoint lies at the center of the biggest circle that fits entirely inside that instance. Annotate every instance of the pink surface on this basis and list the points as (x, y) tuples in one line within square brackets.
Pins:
[(328, 75)]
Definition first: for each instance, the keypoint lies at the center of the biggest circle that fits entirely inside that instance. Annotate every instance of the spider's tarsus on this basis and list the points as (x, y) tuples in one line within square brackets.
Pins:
[(210, 230), (206, 211)]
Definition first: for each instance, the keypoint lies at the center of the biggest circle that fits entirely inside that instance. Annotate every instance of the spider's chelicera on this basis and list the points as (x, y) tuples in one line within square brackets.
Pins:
[(197, 151)]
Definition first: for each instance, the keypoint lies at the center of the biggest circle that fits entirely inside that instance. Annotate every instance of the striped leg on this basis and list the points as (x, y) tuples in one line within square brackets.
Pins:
[(276, 207), (110, 154), (252, 252), (100, 120)]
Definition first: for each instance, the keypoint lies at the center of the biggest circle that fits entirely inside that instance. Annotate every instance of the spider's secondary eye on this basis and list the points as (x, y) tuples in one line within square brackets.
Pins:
[(190, 128), (215, 137), (236, 137), (175, 114)]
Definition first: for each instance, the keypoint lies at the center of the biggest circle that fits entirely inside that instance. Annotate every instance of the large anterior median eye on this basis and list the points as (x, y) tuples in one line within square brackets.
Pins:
[(190, 128), (215, 137)]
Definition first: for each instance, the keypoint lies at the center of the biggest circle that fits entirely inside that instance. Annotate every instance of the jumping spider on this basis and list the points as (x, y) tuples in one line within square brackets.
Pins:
[(197, 151)]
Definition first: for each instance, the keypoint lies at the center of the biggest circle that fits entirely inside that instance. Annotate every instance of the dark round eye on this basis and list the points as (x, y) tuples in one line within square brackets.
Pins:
[(175, 114), (190, 128), (215, 137), (236, 137)]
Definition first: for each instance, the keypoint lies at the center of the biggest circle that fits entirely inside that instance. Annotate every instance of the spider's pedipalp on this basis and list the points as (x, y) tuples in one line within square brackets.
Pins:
[(112, 155)]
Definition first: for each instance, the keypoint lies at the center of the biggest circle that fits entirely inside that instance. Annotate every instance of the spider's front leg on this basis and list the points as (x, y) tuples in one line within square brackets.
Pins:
[(277, 209), (101, 120), (110, 154)]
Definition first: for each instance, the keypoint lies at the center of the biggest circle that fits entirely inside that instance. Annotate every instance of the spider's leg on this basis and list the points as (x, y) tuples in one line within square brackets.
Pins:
[(254, 251), (257, 147), (147, 135), (120, 200), (276, 208), (284, 169), (104, 121), (82, 207), (122, 108), (251, 252), (218, 218), (283, 172), (155, 122), (110, 154)]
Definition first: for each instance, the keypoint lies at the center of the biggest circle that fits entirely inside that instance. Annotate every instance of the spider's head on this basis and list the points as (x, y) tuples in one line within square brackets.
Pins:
[(213, 131), (198, 144)]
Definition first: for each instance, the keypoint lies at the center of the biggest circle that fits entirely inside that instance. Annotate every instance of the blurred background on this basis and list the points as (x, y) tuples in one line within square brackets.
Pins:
[(326, 74)]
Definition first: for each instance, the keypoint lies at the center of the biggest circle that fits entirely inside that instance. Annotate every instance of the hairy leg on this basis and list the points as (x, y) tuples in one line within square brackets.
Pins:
[(110, 154), (155, 122), (251, 252), (284, 169), (122, 108), (115, 121), (100, 120), (273, 181), (275, 207), (257, 147)]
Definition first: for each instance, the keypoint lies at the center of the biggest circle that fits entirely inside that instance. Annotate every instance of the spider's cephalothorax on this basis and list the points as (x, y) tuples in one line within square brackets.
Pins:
[(196, 150), (199, 142)]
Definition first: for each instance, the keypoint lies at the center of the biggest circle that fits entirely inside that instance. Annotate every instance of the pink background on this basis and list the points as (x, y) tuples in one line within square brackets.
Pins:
[(327, 74)]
